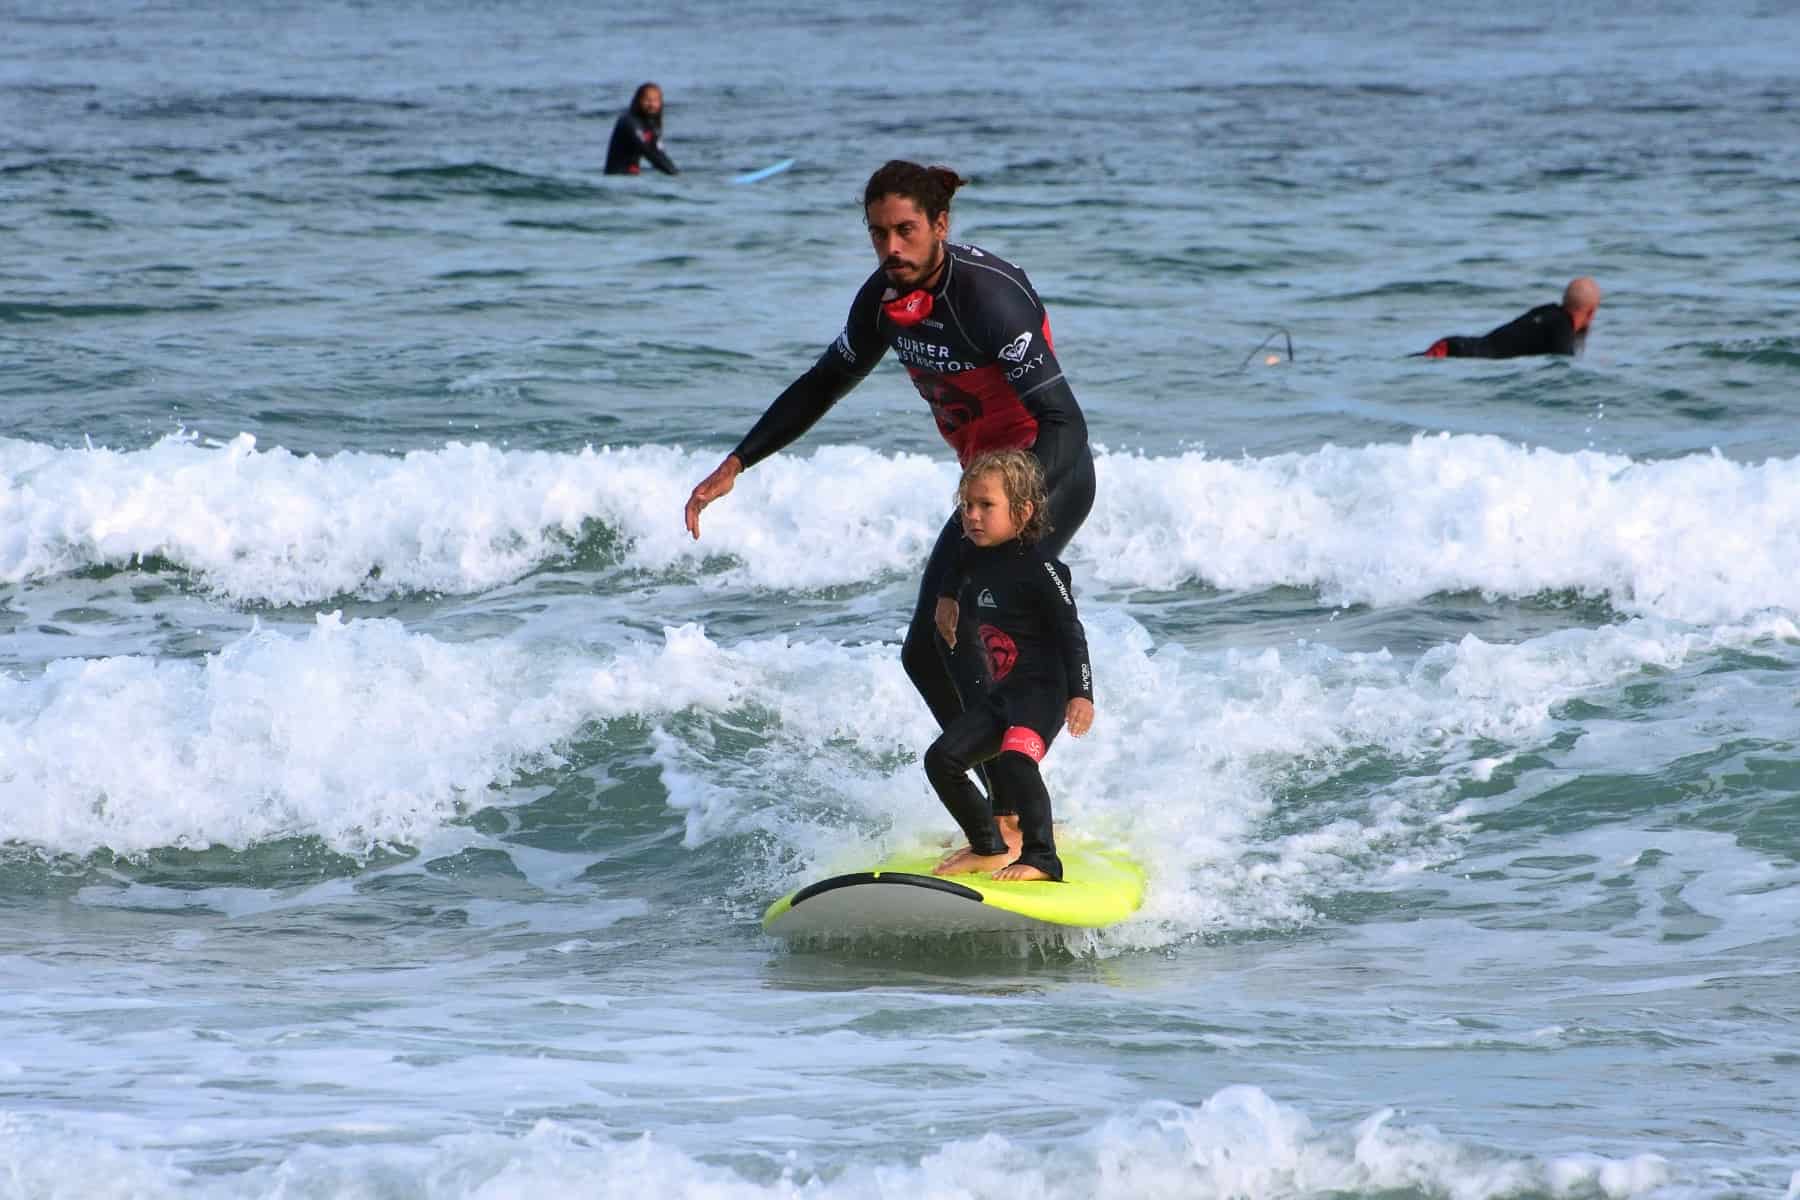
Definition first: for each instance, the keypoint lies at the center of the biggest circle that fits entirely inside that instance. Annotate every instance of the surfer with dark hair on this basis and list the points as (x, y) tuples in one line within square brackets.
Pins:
[(1023, 605), (1546, 329), (637, 135), (974, 337)]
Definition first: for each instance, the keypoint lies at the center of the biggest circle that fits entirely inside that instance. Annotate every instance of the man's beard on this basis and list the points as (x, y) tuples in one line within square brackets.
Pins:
[(915, 278)]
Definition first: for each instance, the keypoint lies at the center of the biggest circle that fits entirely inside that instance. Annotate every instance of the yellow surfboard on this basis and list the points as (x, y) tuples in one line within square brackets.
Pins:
[(1101, 885)]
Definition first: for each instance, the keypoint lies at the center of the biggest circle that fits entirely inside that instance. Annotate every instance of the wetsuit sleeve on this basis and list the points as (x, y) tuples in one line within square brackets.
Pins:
[(1013, 327), (844, 364), (1058, 597), (950, 583), (621, 151), (659, 158), (1451, 347), (1062, 433)]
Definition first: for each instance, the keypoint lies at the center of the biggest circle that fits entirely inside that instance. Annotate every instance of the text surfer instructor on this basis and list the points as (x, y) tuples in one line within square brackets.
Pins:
[(973, 335)]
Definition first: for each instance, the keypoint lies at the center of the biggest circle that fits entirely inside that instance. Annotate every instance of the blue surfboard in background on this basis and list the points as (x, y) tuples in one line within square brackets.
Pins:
[(763, 172)]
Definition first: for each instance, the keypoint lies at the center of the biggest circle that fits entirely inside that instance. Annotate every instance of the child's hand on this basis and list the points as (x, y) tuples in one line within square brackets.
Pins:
[(1081, 715), (947, 613)]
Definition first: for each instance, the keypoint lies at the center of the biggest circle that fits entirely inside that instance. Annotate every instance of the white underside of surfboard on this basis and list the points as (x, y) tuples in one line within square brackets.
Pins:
[(889, 905)]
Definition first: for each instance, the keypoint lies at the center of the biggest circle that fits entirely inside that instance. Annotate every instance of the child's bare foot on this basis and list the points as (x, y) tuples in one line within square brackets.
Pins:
[(967, 862), (1009, 832), (1023, 872)]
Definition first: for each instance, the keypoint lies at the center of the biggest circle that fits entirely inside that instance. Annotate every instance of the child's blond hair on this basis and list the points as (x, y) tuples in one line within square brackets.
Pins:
[(1022, 479)]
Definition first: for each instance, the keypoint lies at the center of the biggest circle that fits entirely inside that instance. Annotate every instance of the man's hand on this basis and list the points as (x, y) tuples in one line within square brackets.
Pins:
[(1081, 715), (710, 489), (947, 613)]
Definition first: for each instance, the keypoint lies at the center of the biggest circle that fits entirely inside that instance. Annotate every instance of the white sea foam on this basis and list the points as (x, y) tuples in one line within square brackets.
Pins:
[(1700, 539), (359, 732), (1206, 746), (276, 527), (1238, 1143)]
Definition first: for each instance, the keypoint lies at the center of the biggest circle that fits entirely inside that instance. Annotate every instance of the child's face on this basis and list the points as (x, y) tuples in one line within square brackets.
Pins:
[(986, 514)]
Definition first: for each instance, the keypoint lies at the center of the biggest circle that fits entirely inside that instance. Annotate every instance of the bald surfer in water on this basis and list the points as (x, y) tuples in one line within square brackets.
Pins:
[(637, 135), (1546, 329)]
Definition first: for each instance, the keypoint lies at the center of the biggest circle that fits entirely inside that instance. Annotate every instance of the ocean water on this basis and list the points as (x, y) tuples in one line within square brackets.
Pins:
[(390, 790)]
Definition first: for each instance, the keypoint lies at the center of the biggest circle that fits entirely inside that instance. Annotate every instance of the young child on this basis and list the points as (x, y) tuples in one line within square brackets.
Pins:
[(1038, 671)]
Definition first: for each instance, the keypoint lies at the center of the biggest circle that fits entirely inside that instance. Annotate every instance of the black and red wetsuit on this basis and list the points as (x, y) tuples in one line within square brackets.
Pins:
[(1022, 606), (977, 346), (635, 137), (1546, 329)]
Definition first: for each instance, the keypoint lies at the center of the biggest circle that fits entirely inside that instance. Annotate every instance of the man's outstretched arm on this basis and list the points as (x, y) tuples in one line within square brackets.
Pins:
[(843, 365)]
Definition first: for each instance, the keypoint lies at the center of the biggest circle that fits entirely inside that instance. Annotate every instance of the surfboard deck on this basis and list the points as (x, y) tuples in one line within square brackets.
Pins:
[(1101, 885)]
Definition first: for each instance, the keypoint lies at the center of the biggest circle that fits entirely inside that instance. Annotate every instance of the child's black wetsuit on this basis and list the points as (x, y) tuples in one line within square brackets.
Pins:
[(1023, 610)]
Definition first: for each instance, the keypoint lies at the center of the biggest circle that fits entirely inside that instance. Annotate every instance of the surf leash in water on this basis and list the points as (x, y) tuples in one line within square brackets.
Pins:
[(1272, 359)]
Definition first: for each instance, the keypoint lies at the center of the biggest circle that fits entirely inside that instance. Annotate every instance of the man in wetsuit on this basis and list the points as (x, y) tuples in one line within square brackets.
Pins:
[(975, 339), (1546, 329), (638, 135)]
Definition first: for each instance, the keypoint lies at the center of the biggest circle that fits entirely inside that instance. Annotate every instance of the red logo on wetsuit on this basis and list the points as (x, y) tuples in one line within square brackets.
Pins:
[(1002, 653), (951, 407), (1022, 739), (909, 309)]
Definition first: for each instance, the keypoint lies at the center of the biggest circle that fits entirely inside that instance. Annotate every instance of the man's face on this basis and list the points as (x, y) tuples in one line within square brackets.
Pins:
[(909, 246), (651, 103)]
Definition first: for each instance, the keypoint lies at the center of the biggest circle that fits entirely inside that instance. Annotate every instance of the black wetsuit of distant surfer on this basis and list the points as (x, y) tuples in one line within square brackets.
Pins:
[(977, 345), (1546, 329), (1023, 607), (637, 136)]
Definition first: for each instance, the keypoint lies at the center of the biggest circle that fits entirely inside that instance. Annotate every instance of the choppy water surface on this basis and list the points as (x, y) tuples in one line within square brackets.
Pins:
[(389, 789)]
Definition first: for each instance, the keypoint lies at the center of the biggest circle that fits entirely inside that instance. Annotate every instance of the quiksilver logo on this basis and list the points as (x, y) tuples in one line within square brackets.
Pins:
[(985, 600), (843, 345), (1057, 580)]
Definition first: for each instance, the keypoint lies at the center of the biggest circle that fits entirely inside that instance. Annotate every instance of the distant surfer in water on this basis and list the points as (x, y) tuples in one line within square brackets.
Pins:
[(1037, 658), (974, 337), (637, 135), (1546, 329)]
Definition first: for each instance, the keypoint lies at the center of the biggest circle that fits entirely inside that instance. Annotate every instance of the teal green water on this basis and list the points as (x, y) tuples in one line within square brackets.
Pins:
[(390, 790)]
